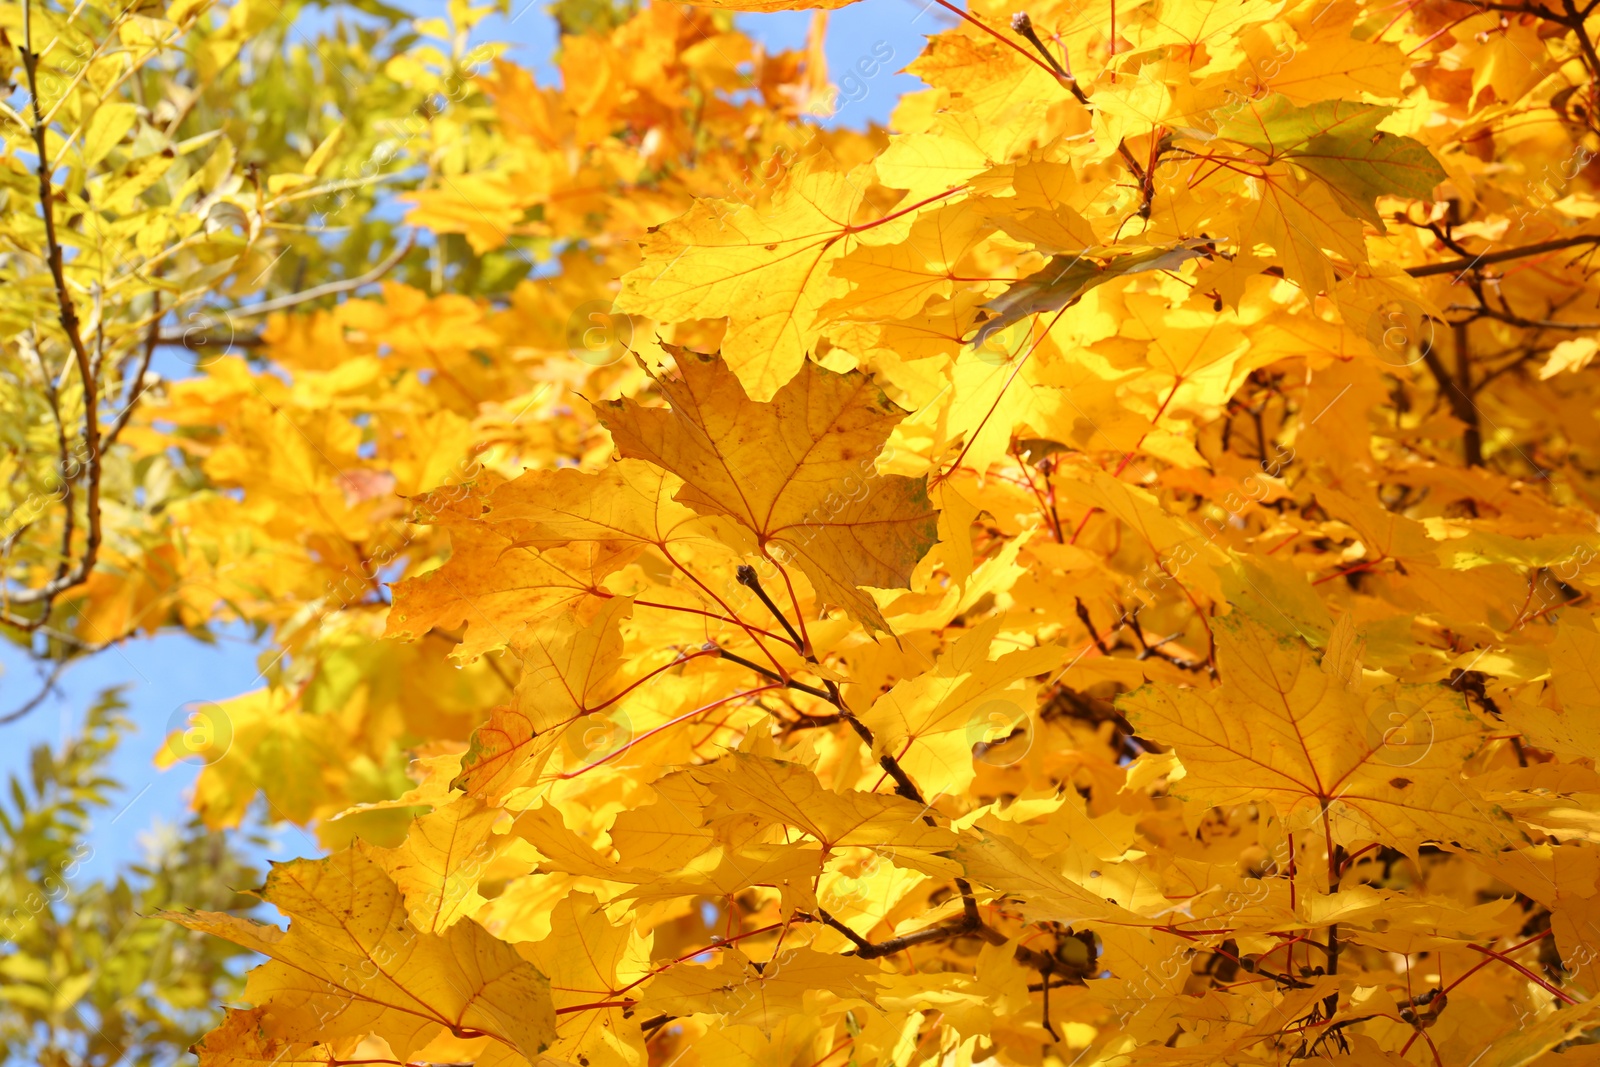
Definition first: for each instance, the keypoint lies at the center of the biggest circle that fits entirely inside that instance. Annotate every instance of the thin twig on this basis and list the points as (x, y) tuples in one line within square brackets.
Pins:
[(152, 339), (774, 676), (317, 292), (1517, 320), (747, 578), (39, 697), (869, 950)]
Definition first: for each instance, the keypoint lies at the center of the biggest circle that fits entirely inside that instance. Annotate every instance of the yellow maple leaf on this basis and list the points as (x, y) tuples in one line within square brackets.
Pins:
[(567, 665), (895, 281), (743, 991), (1302, 222), (493, 584), (1359, 762), (1571, 731), (628, 501), (933, 721), (767, 270), (241, 1040), (800, 472), (351, 964), (790, 795), (439, 865), (591, 960)]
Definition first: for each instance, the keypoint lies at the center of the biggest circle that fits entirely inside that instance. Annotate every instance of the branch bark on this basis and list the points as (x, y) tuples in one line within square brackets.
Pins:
[(1484, 259), (68, 574), (1458, 394), (903, 785)]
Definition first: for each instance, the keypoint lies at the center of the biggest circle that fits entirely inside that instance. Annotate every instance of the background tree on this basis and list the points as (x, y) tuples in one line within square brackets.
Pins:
[(90, 974)]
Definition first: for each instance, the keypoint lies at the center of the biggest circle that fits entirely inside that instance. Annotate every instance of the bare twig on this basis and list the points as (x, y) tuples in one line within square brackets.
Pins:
[(317, 292), (152, 339), (39, 697)]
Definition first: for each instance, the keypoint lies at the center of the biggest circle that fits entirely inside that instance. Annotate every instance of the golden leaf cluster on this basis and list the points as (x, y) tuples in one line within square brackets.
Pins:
[(1098, 571)]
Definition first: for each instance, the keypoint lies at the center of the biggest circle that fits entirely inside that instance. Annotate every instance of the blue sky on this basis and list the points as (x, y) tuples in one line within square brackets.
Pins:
[(852, 33), (162, 676)]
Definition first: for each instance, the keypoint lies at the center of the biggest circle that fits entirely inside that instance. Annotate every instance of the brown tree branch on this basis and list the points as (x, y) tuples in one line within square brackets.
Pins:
[(1480, 312), (67, 574), (904, 786), (869, 950), (1575, 22), (747, 578), (1461, 405), (1484, 259)]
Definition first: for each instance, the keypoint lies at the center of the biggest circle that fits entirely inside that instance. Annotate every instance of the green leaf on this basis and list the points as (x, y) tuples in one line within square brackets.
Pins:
[(1066, 278), (1277, 126), (1361, 170), (1338, 141)]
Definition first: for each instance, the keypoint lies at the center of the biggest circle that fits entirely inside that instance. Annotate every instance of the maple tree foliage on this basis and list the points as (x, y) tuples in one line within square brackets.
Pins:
[(1096, 571)]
